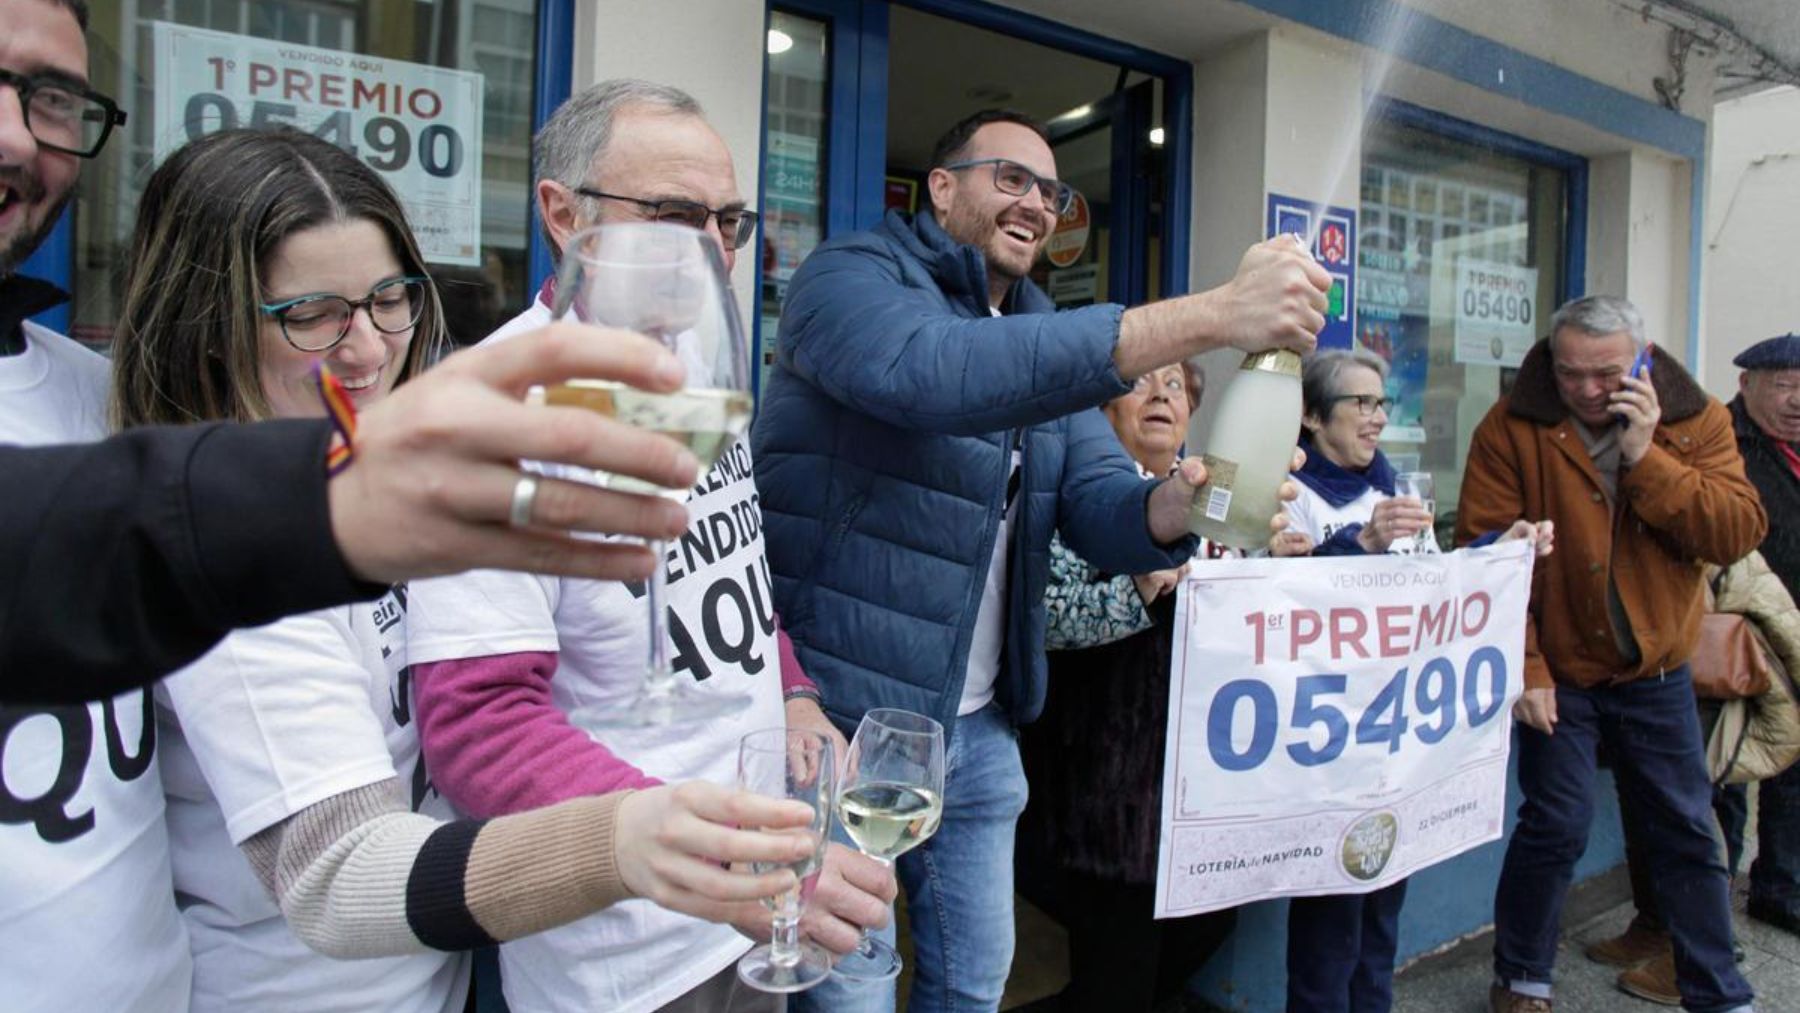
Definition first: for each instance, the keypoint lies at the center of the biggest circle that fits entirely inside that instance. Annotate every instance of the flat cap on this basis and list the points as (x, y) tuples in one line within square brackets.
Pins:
[(1771, 353)]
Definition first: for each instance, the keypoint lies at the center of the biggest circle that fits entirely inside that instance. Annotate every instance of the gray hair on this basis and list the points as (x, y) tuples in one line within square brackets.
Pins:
[(575, 137), (1595, 315), (1321, 379)]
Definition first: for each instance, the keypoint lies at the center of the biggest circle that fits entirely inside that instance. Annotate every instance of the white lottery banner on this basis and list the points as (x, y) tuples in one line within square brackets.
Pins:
[(1337, 724), (419, 126)]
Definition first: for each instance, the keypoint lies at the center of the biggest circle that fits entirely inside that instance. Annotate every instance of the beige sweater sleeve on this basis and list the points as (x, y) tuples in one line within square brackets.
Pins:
[(359, 875)]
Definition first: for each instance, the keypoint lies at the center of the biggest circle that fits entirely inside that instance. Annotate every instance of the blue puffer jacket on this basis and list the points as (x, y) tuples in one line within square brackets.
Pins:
[(883, 447)]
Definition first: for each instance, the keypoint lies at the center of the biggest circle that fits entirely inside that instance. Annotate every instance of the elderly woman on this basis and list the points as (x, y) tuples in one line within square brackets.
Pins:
[(1347, 503), (1341, 948), (300, 816), (1096, 754)]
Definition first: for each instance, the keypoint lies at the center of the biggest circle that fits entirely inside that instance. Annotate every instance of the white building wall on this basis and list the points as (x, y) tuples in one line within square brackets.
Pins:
[(1280, 112), (1752, 217), (712, 49), (1638, 240), (1278, 106)]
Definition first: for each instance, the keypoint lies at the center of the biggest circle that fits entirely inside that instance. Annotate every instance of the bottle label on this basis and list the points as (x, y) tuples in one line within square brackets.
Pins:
[(1221, 475)]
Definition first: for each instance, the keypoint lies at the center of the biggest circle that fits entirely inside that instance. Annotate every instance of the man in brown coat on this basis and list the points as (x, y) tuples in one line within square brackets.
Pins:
[(1642, 476)]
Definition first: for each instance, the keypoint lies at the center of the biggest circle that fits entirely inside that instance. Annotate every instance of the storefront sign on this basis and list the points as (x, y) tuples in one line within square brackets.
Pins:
[(1337, 724), (1331, 231), (1074, 286), (419, 126), (1496, 312), (1070, 238)]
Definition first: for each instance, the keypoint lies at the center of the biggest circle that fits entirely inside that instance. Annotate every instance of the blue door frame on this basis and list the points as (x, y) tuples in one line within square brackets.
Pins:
[(857, 162), (54, 261)]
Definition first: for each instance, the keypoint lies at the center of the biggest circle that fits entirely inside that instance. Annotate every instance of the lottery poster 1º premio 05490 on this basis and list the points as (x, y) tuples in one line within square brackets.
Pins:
[(1337, 724)]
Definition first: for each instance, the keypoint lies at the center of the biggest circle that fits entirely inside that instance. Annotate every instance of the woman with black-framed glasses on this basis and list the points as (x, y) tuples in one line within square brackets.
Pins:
[(1347, 502), (301, 821)]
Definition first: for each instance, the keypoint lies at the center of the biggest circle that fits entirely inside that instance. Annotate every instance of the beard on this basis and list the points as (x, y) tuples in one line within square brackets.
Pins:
[(27, 189)]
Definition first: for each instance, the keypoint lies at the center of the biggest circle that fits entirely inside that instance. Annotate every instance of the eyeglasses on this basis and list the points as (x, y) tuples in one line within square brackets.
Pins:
[(1012, 178), (316, 323), (1173, 386), (63, 116), (1367, 403), (736, 225)]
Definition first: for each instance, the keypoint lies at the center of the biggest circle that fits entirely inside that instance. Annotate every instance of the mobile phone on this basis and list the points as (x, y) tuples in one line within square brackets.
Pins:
[(1640, 368)]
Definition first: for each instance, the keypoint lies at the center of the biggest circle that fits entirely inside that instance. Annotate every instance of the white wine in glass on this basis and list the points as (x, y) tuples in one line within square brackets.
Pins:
[(666, 282), (801, 765), (890, 800), (1419, 486)]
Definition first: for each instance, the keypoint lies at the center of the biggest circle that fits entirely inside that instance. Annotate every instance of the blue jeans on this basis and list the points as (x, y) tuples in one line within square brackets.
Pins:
[(959, 885), (1651, 730), (1340, 951)]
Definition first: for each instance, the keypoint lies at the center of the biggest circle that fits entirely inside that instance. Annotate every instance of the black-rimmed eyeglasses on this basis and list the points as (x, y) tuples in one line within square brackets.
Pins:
[(64, 116), (736, 225), (1367, 403), (1014, 179), (316, 323)]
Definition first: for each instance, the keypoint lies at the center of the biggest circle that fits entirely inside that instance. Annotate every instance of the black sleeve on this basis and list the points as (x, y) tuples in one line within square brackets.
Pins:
[(125, 559)]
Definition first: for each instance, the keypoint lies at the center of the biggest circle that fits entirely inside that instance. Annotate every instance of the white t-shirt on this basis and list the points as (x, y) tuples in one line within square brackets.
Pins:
[(87, 919), (1315, 515), (269, 722), (989, 635), (633, 956)]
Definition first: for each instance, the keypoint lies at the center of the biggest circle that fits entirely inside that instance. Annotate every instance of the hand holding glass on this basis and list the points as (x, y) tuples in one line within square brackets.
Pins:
[(890, 801), (667, 282), (1418, 485), (796, 764)]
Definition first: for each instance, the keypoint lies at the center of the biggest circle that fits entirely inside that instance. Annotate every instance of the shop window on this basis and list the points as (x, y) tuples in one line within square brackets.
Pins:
[(1461, 262), (464, 172), (795, 149)]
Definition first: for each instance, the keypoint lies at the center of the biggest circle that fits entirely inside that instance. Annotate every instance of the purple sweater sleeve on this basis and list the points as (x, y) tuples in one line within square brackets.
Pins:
[(495, 743), (792, 675)]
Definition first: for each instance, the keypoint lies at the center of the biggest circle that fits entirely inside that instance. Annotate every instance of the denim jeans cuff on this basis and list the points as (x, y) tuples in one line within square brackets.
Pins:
[(1526, 987)]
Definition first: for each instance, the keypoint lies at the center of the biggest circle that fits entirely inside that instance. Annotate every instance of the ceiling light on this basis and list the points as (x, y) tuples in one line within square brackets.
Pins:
[(1156, 136), (779, 41)]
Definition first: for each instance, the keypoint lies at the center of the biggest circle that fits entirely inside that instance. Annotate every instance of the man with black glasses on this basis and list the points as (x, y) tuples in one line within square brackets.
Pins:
[(928, 424), (498, 657)]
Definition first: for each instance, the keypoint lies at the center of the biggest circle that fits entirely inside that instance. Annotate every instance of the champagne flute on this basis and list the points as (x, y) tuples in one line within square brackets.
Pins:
[(1418, 485), (890, 801), (667, 282), (796, 764)]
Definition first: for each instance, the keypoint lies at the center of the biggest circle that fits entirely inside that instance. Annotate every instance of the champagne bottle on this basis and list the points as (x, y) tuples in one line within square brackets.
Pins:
[(1248, 451)]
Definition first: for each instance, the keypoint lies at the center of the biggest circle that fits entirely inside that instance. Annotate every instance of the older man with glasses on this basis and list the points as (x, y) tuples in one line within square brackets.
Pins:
[(929, 422), (499, 656)]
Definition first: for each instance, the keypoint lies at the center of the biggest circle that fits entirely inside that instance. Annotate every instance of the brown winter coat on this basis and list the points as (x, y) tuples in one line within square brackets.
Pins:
[(1684, 504)]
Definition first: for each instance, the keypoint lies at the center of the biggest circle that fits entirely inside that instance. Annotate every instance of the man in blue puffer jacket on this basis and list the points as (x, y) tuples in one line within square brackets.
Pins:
[(929, 422)]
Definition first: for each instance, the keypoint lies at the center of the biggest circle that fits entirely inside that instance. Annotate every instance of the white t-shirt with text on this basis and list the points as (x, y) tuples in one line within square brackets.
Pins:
[(634, 956), (269, 722), (87, 918)]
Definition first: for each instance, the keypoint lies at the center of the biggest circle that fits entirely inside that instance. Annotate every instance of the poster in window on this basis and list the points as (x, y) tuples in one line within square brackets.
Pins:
[(419, 126), (1331, 233)]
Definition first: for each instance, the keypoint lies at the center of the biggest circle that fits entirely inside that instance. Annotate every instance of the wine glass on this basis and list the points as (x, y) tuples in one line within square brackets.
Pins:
[(796, 764), (890, 800), (1418, 485), (667, 282)]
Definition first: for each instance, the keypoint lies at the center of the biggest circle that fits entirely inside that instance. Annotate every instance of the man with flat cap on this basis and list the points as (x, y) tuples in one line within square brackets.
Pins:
[(1766, 414)]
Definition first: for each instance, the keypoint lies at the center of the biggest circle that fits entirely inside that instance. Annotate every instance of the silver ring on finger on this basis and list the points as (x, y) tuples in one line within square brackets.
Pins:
[(523, 497)]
